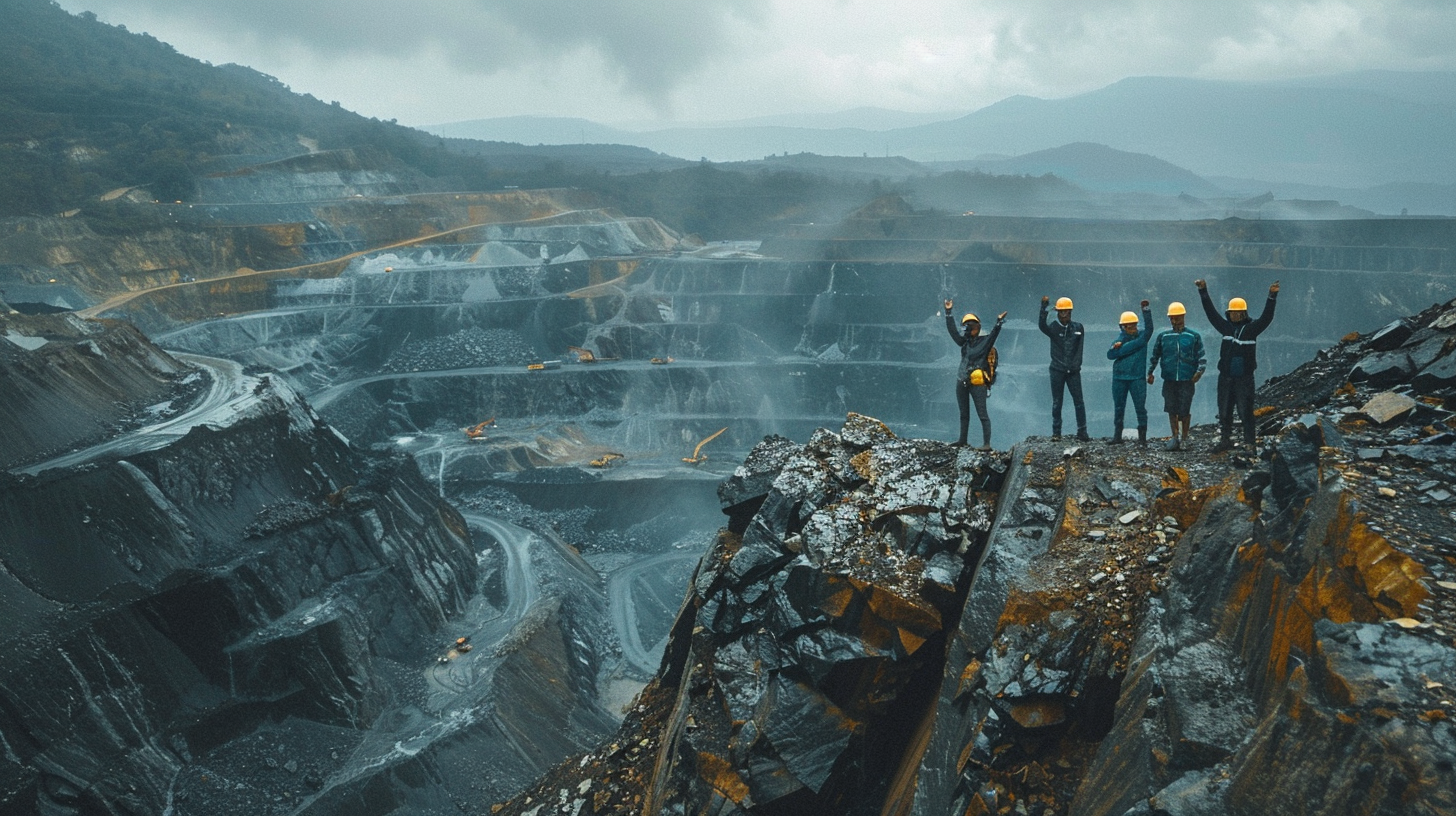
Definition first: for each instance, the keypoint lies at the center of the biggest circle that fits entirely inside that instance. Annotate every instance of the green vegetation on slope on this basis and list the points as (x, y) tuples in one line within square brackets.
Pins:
[(86, 107)]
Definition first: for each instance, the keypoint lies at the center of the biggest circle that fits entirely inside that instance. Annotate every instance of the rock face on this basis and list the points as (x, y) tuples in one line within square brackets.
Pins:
[(818, 622), (159, 604), (1144, 632), (249, 616), (67, 380)]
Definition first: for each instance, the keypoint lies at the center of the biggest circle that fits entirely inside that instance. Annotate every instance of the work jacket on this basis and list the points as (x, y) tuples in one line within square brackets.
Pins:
[(1066, 342), (1129, 358), (1180, 352), (973, 349), (1237, 354)]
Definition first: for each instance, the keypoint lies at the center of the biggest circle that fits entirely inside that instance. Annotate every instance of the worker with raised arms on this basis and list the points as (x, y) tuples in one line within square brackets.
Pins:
[(972, 377), (1237, 359)]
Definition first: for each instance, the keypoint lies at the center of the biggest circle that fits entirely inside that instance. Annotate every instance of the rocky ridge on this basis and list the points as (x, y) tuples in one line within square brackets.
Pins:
[(1143, 632), (68, 380)]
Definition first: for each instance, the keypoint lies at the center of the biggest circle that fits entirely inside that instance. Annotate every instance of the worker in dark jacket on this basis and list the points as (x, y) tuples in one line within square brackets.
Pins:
[(1237, 360), (1129, 355), (971, 375), (1066, 366)]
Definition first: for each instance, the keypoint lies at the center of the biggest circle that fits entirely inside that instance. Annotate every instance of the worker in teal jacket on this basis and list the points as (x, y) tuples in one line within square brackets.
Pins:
[(1129, 356), (1180, 351)]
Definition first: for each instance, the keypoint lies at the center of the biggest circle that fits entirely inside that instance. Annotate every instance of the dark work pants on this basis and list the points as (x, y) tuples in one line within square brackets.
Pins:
[(1236, 393), (965, 393), (1138, 389), (1073, 381)]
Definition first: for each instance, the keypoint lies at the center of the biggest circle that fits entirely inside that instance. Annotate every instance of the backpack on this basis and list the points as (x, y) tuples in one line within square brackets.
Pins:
[(988, 373)]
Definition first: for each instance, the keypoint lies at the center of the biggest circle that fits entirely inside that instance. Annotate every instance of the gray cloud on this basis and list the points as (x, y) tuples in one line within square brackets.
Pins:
[(650, 45)]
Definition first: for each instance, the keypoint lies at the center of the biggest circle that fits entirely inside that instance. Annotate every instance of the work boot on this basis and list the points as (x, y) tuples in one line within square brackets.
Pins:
[(1082, 435), (1116, 438), (1143, 436), (1172, 444), (1224, 443)]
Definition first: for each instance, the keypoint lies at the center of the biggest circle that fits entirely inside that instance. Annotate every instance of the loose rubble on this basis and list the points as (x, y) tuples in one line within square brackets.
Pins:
[(1143, 631)]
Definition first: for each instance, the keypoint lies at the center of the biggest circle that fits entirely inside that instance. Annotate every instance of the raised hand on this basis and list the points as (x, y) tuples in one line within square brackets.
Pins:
[(1201, 283), (1274, 288), (1146, 304), (1045, 300), (1000, 317), (948, 304)]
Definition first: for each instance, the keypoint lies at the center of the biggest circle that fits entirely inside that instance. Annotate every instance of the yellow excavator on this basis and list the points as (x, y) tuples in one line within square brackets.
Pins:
[(588, 356), (478, 431), (697, 458), (606, 460)]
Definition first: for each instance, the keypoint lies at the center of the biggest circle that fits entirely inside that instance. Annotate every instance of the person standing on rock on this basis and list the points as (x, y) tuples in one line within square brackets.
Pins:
[(1129, 354), (1236, 361), (1180, 351), (972, 377), (1066, 365)]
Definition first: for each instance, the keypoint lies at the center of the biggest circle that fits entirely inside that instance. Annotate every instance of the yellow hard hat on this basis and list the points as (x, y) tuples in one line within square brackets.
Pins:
[(1175, 308), (1128, 317), (1064, 303), (978, 377), (1238, 305), (968, 318)]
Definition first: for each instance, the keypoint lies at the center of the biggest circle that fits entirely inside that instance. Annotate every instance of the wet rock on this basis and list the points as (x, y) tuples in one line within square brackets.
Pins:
[(1391, 336), (1384, 370), (861, 432), (743, 492), (1439, 374), (1387, 407)]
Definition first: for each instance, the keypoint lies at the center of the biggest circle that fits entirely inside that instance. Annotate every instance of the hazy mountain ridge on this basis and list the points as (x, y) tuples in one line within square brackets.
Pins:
[(1349, 130)]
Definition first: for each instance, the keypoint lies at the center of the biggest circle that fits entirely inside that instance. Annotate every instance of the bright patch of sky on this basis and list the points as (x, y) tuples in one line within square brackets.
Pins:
[(665, 61)]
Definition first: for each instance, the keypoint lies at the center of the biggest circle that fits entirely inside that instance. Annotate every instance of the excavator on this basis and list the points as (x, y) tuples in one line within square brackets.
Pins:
[(697, 458), (587, 355), (606, 460), (661, 360), (478, 431)]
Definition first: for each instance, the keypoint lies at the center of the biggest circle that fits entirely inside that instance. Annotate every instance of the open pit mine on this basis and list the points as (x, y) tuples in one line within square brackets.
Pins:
[(381, 502)]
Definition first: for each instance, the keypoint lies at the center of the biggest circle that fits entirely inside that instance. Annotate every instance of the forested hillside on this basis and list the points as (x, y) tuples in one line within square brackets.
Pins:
[(86, 107)]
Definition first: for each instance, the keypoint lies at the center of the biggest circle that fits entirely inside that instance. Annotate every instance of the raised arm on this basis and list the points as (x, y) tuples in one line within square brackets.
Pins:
[(1268, 315), (1041, 318), (996, 330), (1220, 323), (951, 327)]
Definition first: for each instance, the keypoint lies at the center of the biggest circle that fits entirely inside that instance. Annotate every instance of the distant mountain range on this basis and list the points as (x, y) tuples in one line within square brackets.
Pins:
[(1347, 131)]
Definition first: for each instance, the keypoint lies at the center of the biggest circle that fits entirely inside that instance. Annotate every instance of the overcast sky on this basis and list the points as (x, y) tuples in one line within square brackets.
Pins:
[(619, 61)]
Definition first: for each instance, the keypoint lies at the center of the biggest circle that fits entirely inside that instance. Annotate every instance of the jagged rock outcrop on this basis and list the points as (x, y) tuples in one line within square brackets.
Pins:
[(161, 604), (64, 380), (1147, 632), (812, 632)]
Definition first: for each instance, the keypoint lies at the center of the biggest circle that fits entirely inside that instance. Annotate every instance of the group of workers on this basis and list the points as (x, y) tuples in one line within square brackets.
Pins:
[(1177, 354)]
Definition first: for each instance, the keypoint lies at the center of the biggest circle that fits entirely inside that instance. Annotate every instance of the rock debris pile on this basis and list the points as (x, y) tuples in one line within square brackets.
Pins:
[(1119, 630), (468, 347), (812, 631)]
